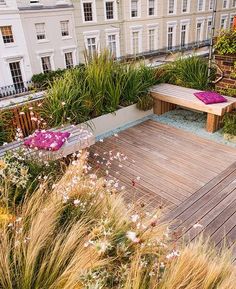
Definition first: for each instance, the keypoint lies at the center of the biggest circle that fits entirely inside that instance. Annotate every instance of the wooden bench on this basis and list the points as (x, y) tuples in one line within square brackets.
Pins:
[(81, 137), (167, 97)]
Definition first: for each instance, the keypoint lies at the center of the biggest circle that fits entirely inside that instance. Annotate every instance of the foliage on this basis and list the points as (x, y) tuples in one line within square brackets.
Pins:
[(6, 129), (230, 91), (189, 72), (78, 233), (199, 266), (42, 80), (229, 123), (145, 102), (95, 89), (226, 42), (20, 175)]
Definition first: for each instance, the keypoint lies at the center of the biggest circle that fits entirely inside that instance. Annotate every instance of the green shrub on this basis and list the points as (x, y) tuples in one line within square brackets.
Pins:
[(42, 80), (189, 72), (95, 89), (6, 129), (229, 123), (145, 102), (226, 42)]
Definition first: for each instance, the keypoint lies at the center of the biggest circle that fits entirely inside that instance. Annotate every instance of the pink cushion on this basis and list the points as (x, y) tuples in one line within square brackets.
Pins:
[(47, 140), (210, 97)]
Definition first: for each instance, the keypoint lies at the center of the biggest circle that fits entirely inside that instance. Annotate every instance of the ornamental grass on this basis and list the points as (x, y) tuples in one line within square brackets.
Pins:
[(78, 233)]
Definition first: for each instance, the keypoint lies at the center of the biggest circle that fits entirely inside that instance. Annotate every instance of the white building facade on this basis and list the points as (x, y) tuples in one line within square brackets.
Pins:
[(36, 37), (15, 67)]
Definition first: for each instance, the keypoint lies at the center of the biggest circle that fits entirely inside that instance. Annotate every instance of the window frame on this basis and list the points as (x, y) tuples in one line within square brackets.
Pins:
[(226, 17), (172, 24), (148, 8), (187, 7), (227, 4), (92, 34), (174, 8), (138, 29), (11, 36), (44, 28), (68, 28), (185, 22), (94, 14), (72, 58), (116, 32), (114, 10), (50, 62), (138, 9), (203, 5)]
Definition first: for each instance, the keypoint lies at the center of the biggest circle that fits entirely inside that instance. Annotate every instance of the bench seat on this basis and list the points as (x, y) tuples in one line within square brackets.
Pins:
[(168, 96), (79, 139)]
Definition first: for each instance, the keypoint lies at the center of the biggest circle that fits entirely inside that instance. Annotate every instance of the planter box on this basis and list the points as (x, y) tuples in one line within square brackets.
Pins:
[(230, 137), (120, 118)]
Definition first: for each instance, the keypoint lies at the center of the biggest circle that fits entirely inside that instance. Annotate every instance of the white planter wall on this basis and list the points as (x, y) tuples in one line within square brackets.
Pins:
[(113, 121)]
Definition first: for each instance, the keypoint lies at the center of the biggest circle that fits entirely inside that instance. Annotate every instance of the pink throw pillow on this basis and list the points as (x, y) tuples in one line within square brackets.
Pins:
[(47, 140), (210, 97)]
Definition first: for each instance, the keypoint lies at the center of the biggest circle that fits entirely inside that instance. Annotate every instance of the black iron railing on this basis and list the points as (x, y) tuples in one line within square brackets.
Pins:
[(16, 89)]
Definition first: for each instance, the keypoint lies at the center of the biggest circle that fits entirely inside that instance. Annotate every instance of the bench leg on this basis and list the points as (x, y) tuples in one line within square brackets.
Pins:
[(161, 107), (213, 122)]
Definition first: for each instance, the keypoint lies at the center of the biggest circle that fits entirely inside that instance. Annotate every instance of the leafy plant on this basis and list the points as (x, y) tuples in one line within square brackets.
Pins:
[(6, 127), (189, 72), (229, 123), (226, 42), (145, 102)]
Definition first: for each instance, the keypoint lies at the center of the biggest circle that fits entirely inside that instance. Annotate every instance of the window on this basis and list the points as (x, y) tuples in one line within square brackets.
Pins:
[(225, 3), (200, 5), (2, 2), (34, 1), (135, 42), (223, 22), (7, 35), (183, 35), (185, 6), (199, 32), (69, 60), (88, 11), (16, 76), (46, 64), (170, 37), (134, 8), (232, 19), (151, 8), (109, 10), (171, 7), (40, 31), (65, 28), (112, 44), (234, 3), (211, 4), (209, 28), (91, 46), (151, 39)]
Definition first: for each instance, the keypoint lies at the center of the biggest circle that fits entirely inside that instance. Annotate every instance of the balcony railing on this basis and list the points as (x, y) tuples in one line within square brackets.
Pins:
[(16, 89)]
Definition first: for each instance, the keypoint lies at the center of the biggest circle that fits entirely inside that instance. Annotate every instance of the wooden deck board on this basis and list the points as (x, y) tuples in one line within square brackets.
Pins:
[(193, 177)]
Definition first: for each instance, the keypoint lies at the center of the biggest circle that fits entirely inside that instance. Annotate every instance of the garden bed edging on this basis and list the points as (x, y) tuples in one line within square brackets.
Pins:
[(113, 121)]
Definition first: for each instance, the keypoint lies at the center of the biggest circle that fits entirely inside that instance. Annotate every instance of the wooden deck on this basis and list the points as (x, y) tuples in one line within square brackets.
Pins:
[(193, 178)]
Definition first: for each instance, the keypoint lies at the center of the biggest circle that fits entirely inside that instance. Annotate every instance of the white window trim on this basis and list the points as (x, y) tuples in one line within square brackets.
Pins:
[(209, 5), (203, 6), (155, 9), (174, 25), (20, 59), (156, 28), (93, 11), (45, 53), (138, 28), (92, 34), (188, 7), (227, 20), (175, 8), (200, 20), (115, 10), (139, 10), (227, 5), (209, 18), (187, 23), (67, 50), (233, 6), (115, 31), (231, 15)]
